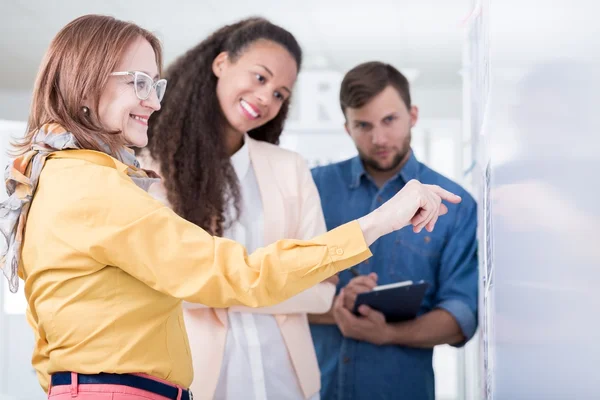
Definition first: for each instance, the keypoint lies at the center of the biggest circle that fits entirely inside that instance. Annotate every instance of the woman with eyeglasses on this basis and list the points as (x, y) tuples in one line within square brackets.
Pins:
[(105, 266)]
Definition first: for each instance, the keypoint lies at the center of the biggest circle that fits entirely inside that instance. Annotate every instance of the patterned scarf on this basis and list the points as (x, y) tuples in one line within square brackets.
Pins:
[(22, 177)]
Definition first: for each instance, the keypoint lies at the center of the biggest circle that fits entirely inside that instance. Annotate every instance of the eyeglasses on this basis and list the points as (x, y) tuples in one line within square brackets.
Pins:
[(143, 84)]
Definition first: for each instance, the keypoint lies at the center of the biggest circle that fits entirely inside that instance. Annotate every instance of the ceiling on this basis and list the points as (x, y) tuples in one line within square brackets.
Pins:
[(422, 36)]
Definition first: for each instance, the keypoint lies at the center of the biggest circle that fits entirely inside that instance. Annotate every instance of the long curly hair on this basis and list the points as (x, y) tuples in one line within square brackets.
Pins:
[(186, 136)]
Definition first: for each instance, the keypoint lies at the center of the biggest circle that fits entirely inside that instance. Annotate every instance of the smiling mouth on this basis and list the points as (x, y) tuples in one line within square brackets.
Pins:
[(140, 119), (249, 110)]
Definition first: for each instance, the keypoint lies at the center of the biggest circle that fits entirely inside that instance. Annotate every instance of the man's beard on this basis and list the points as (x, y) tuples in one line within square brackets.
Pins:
[(398, 158)]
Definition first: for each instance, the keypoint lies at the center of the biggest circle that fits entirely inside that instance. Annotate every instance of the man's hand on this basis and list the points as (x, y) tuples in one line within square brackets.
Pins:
[(370, 327), (358, 285)]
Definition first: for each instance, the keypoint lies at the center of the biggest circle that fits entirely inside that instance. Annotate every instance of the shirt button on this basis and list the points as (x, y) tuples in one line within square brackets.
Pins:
[(346, 360), (339, 252)]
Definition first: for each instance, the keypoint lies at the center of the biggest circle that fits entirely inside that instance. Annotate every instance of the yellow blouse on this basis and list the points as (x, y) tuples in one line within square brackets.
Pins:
[(106, 268)]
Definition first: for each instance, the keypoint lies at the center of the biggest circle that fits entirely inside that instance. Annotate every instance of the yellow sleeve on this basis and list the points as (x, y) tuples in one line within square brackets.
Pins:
[(40, 358), (119, 224)]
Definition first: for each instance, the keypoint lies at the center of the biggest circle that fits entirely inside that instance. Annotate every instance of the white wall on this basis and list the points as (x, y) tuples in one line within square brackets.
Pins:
[(14, 104), (540, 226)]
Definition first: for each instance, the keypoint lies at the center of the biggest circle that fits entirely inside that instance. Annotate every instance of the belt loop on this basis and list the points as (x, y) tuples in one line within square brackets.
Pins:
[(74, 384), (178, 393)]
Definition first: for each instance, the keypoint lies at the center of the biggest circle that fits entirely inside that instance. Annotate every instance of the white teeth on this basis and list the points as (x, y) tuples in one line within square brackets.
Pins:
[(248, 108), (139, 118)]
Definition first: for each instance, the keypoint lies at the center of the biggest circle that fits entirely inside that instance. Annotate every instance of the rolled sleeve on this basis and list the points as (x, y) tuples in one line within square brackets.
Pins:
[(464, 316)]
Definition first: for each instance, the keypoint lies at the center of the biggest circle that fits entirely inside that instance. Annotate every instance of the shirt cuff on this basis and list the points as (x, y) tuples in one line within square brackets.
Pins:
[(346, 244), (465, 317)]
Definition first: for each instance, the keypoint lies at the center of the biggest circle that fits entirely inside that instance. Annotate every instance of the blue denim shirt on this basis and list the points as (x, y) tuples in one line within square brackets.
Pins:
[(445, 258)]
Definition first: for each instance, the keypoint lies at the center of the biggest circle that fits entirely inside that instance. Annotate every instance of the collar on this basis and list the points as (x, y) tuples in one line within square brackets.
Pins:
[(357, 171), (410, 169)]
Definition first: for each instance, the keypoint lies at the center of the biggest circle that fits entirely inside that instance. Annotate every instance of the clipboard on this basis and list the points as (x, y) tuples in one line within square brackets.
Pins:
[(399, 301)]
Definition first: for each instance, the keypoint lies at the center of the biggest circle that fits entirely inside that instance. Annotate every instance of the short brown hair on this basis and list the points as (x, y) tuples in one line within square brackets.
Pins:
[(367, 80), (77, 67)]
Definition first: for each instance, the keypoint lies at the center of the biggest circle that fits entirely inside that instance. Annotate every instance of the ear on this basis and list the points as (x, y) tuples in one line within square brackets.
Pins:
[(414, 115), (219, 63)]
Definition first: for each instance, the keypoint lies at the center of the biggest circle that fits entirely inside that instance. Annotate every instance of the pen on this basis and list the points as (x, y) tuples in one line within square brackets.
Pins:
[(354, 271)]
